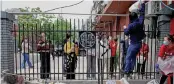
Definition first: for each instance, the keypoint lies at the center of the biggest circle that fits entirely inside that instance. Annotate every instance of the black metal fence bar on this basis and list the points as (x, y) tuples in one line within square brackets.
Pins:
[(56, 35)]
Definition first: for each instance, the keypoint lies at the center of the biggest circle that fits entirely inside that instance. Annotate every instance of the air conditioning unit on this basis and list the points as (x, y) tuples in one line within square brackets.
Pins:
[(152, 7)]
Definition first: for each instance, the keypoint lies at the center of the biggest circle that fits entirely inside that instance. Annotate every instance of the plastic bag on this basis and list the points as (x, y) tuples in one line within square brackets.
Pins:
[(124, 81), (111, 82), (136, 6), (166, 65), (153, 82)]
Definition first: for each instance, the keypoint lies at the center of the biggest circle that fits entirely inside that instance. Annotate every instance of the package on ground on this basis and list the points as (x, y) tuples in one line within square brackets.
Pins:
[(122, 81), (153, 82), (112, 82), (59, 83)]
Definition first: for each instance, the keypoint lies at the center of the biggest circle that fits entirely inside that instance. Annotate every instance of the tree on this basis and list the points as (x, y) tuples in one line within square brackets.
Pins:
[(31, 25)]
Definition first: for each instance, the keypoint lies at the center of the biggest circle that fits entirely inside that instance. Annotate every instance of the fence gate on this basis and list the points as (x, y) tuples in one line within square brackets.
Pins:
[(37, 58)]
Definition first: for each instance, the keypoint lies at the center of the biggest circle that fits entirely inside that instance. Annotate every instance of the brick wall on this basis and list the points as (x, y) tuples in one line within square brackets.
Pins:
[(7, 42)]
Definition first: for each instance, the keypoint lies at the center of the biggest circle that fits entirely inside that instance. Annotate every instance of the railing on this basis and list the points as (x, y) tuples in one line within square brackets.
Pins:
[(56, 33)]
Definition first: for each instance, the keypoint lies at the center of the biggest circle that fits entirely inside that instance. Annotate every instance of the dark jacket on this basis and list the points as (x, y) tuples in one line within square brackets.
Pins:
[(135, 28)]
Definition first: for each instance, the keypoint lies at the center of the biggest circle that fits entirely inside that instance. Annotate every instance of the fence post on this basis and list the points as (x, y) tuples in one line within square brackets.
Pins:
[(99, 73), (7, 42)]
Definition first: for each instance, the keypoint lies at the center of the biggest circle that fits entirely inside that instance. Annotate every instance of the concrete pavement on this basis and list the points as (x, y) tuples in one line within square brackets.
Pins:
[(56, 67)]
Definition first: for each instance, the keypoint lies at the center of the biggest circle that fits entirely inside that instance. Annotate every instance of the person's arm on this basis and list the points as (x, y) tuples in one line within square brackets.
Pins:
[(147, 48), (142, 13), (162, 51), (101, 44)]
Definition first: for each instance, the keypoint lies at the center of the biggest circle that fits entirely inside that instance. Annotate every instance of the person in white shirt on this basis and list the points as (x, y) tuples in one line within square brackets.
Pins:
[(25, 52), (105, 52)]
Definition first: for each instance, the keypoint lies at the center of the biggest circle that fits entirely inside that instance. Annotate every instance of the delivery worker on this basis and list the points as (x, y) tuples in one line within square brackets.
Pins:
[(136, 33)]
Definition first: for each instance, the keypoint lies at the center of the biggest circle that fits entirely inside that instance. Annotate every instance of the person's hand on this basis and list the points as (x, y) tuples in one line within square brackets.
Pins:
[(124, 27)]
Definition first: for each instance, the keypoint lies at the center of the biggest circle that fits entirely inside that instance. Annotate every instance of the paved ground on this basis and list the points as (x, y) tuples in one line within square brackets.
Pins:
[(56, 67)]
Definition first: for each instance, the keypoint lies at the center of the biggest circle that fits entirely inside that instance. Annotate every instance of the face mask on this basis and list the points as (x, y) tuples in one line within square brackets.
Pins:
[(165, 42)]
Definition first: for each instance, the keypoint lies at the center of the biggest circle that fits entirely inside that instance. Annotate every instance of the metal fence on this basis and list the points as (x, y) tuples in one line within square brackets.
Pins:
[(86, 35)]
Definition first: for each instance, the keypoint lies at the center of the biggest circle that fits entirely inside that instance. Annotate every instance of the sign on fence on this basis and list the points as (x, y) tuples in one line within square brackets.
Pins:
[(87, 39)]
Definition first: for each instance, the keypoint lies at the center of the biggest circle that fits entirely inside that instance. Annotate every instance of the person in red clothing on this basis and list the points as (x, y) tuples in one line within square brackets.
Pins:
[(166, 49), (142, 56), (113, 47)]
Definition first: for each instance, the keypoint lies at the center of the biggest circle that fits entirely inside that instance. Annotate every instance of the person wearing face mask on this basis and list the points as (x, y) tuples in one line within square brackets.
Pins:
[(25, 52), (142, 57), (166, 54)]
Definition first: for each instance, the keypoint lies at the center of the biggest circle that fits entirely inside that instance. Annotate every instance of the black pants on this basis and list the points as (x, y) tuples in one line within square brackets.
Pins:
[(113, 64), (45, 65), (141, 67), (70, 66), (163, 79)]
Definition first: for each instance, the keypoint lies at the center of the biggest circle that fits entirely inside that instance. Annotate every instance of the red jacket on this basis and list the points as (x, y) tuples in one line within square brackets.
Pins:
[(113, 47), (166, 51), (46, 47), (144, 50)]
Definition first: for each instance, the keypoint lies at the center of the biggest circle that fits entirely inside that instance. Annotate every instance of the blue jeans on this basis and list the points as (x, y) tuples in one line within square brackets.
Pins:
[(26, 59), (131, 57)]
